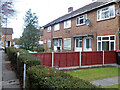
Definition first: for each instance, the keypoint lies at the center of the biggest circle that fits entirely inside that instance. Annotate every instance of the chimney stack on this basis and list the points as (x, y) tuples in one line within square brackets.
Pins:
[(70, 9)]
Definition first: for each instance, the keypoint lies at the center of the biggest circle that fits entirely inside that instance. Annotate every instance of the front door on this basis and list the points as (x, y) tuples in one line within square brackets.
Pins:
[(78, 44), (58, 44), (87, 44)]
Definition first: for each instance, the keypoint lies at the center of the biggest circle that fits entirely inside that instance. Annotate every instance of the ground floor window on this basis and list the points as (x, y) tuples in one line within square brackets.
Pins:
[(67, 43), (106, 43)]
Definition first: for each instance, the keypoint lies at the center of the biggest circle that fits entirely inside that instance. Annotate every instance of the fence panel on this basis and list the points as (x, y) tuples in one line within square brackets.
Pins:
[(91, 58), (110, 57), (60, 59), (72, 59)]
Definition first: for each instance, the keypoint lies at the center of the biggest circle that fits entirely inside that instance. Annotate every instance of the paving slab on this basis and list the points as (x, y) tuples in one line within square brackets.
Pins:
[(106, 82)]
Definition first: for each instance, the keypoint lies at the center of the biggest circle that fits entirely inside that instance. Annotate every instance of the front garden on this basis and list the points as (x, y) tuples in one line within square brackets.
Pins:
[(39, 76)]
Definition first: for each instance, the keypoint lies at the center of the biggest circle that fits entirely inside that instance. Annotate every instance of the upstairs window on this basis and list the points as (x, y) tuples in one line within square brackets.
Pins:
[(67, 24), (49, 29), (106, 13), (56, 27), (81, 19)]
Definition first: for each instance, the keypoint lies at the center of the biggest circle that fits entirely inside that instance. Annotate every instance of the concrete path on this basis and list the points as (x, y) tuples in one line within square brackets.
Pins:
[(9, 79), (1, 70), (107, 82)]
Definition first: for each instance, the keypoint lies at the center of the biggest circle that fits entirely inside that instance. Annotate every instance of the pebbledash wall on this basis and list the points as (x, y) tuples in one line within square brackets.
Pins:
[(103, 28)]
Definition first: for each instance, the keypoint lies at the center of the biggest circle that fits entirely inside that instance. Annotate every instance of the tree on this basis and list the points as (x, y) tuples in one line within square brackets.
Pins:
[(6, 10), (31, 35)]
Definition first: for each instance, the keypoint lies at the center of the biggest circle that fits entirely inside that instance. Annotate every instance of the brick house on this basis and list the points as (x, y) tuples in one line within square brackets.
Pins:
[(6, 35), (94, 27)]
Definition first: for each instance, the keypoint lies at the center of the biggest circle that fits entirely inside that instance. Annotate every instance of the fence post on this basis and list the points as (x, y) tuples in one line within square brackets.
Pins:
[(18, 54), (103, 57), (80, 58), (24, 75), (52, 59)]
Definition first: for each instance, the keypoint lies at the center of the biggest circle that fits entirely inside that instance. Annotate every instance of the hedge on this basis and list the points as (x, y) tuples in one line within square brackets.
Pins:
[(45, 77), (29, 60)]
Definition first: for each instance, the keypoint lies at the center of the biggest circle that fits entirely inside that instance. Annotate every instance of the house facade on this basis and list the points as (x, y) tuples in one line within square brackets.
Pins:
[(6, 37), (94, 27)]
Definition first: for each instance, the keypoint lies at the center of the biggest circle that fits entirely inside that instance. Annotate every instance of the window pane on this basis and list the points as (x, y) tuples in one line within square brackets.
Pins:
[(112, 9), (98, 15), (99, 46), (105, 45), (112, 45), (99, 38), (67, 44), (87, 43), (112, 37), (80, 43), (77, 42), (81, 21), (77, 20), (105, 38), (55, 42)]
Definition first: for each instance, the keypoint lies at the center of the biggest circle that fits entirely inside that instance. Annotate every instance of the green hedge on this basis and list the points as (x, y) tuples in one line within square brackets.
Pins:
[(45, 77), (29, 60)]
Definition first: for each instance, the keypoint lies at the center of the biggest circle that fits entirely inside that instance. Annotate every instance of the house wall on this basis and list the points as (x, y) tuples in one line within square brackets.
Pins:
[(97, 28), (8, 37)]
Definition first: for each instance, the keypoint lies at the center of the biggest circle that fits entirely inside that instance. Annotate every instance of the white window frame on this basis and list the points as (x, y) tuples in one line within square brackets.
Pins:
[(100, 10), (85, 15), (106, 40), (49, 42), (67, 24), (67, 48), (90, 44), (57, 27), (49, 29)]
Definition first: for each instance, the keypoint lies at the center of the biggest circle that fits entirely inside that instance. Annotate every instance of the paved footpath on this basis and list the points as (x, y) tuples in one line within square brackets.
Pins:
[(9, 79), (0, 70), (107, 82)]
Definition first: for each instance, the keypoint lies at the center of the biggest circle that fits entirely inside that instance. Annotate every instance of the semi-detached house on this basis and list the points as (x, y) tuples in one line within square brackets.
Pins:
[(94, 27)]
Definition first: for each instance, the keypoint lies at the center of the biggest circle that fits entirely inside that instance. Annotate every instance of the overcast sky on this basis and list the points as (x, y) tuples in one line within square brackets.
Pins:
[(46, 10)]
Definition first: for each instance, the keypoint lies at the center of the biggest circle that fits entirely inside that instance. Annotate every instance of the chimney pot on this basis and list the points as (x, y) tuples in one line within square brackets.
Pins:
[(70, 9)]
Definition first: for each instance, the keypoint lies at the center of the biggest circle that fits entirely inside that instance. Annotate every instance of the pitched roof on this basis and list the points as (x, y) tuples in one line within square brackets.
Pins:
[(7, 31), (79, 11)]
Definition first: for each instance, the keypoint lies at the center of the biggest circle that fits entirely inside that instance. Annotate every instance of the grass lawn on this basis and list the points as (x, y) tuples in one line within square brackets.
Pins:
[(95, 73), (113, 86)]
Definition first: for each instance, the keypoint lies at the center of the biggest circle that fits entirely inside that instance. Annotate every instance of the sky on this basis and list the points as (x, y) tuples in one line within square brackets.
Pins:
[(46, 10)]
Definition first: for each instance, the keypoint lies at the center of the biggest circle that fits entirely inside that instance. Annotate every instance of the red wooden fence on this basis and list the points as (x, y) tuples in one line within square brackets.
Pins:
[(72, 59)]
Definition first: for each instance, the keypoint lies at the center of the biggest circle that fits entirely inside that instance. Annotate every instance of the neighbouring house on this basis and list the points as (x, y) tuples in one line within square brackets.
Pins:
[(6, 37), (94, 27)]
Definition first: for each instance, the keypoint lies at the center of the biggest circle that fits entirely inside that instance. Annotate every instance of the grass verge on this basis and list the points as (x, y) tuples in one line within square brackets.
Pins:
[(95, 73)]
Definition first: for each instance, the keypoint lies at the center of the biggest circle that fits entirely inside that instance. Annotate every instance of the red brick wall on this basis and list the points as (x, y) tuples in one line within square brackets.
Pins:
[(98, 28)]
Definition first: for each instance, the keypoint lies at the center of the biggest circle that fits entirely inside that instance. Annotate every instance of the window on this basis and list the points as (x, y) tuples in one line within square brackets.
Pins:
[(67, 44), (106, 13), (49, 29), (67, 24), (49, 43), (107, 43), (79, 43), (56, 27), (88, 43), (81, 19)]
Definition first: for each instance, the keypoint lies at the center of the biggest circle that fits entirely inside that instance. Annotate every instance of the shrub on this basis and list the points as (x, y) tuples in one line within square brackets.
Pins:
[(29, 60), (38, 49), (45, 77), (12, 55)]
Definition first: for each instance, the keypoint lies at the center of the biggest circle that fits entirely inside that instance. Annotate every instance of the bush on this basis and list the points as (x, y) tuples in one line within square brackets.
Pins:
[(29, 60), (39, 49), (45, 77), (12, 55)]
